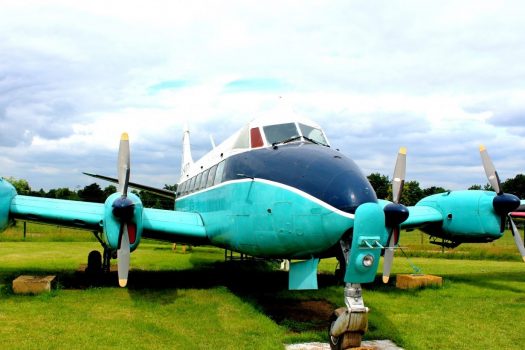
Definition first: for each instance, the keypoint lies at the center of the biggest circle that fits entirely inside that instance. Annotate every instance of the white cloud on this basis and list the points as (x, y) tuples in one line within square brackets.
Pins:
[(438, 77)]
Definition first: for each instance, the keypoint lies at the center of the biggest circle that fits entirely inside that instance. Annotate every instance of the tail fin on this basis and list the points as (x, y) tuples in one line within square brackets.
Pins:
[(187, 160)]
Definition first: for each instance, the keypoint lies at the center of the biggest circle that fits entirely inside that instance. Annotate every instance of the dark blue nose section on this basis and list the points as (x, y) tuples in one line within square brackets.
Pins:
[(317, 170)]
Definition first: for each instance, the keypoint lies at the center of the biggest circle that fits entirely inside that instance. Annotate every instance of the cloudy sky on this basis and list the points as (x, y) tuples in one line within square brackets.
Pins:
[(439, 77)]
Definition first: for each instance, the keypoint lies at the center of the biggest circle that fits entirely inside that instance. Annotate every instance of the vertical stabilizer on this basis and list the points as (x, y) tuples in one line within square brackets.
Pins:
[(187, 160)]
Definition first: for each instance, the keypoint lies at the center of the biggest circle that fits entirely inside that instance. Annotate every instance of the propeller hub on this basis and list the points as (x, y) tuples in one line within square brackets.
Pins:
[(505, 203), (395, 214), (123, 208)]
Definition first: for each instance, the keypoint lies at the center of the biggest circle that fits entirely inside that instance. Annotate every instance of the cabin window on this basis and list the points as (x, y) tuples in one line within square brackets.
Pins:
[(198, 182), (313, 133), (211, 176), (219, 173), (281, 132), (256, 138), (180, 189), (192, 184), (204, 179)]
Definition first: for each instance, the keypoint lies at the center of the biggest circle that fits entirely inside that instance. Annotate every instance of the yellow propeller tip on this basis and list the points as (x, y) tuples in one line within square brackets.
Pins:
[(124, 136), (403, 150), (481, 148), (385, 279), (523, 257), (122, 282)]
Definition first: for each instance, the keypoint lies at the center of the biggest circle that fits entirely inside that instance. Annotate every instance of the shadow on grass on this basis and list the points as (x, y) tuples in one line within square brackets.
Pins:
[(255, 282)]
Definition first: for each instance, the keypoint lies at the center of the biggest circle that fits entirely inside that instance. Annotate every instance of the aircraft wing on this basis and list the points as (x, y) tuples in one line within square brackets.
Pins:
[(76, 214), (174, 226), (421, 216), (167, 225)]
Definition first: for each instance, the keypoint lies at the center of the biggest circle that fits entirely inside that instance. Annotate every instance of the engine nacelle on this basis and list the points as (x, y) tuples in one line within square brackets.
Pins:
[(7, 193), (468, 216), (112, 223)]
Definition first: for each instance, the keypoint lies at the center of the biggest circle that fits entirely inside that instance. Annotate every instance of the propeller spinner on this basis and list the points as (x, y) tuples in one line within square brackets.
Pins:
[(395, 213), (503, 203)]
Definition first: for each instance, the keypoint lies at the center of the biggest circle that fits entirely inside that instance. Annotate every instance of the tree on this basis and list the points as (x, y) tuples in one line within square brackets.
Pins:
[(381, 184), (40, 193), (412, 193), (21, 185), (109, 190), (516, 185), (433, 190), (475, 187), (92, 193), (172, 188)]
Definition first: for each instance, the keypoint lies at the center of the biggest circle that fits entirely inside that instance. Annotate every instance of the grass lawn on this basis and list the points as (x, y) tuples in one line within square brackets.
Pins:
[(198, 301)]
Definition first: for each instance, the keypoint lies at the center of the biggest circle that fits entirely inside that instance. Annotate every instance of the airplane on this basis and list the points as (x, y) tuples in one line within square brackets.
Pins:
[(277, 189)]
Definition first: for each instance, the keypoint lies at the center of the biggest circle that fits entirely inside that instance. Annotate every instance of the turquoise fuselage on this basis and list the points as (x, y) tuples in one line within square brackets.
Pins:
[(291, 201), (264, 218)]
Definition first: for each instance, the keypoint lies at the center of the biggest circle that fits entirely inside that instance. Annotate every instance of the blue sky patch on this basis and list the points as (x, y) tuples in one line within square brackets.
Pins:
[(255, 84), (167, 85)]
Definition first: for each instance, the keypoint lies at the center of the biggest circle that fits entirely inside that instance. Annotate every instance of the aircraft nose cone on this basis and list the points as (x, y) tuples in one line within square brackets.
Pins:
[(320, 171)]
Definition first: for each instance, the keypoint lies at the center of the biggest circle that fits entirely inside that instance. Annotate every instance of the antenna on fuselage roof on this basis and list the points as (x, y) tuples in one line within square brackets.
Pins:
[(212, 141), (187, 159)]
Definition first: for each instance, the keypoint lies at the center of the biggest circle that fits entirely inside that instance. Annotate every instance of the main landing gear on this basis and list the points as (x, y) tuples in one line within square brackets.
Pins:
[(347, 325), (99, 264)]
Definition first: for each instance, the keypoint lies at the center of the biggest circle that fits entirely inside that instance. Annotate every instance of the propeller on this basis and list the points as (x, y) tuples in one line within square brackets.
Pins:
[(395, 213), (503, 203), (123, 209)]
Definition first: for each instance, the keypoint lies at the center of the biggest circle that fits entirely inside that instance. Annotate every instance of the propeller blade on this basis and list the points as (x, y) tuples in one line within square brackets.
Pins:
[(395, 213), (490, 170), (123, 255), (399, 175), (388, 257), (517, 238), (123, 166)]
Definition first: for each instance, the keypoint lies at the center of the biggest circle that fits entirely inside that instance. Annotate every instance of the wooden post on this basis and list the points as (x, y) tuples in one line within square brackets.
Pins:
[(25, 229)]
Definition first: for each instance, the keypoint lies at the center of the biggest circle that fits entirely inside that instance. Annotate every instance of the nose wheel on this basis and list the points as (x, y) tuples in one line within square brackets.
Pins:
[(348, 339), (348, 324)]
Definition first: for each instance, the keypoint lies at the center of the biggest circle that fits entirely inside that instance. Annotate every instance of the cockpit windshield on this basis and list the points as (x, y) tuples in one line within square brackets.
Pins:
[(280, 132), (313, 134), (288, 132)]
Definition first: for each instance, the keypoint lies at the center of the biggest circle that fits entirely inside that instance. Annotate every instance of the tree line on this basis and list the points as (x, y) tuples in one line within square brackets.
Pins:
[(412, 191)]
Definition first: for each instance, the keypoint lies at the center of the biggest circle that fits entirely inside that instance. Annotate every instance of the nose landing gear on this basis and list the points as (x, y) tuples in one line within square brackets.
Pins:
[(347, 325)]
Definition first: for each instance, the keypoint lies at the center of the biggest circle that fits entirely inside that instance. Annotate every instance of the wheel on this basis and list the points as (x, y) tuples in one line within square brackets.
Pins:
[(346, 340), (94, 264)]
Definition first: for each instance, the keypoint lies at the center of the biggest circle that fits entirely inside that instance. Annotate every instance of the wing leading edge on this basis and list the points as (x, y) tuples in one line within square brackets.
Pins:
[(421, 216), (166, 225)]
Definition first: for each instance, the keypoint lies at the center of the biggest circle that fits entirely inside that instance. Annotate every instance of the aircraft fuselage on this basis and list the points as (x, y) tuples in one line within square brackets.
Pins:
[(293, 201)]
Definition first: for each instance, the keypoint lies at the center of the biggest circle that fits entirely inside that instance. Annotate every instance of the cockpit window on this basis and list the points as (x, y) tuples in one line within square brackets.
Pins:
[(313, 133), (280, 132)]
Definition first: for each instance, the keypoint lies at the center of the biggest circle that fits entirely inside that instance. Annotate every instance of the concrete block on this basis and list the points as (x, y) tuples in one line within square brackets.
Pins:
[(33, 284), (418, 281)]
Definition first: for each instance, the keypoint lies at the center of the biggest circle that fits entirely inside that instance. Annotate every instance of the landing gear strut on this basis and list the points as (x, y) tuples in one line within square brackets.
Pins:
[(108, 254), (347, 325)]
